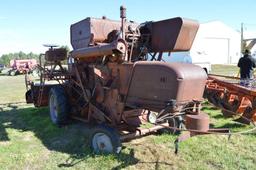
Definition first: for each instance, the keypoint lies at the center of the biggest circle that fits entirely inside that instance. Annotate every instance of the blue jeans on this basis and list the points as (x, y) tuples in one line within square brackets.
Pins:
[(246, 82)]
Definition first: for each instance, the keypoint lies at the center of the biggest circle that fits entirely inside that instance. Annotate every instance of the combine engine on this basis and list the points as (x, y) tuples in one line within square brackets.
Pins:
[(116, 80)]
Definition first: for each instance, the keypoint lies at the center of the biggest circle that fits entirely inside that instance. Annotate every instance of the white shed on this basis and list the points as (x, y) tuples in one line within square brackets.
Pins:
[(216, 43)]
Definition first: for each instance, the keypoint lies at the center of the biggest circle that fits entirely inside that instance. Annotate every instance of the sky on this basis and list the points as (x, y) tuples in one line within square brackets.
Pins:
[(25, 25)]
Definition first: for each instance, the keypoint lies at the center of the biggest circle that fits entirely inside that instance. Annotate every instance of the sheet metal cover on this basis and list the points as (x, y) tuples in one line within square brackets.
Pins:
[(160, 82), (93, 30), (176, 34)]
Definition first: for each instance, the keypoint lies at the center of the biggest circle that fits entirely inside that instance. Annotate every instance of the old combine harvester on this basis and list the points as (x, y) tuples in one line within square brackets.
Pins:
[(115, 79)]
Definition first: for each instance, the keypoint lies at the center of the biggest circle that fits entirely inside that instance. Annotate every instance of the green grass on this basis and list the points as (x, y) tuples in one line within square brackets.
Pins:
[(228, 70), (12, 89), (28, 140)]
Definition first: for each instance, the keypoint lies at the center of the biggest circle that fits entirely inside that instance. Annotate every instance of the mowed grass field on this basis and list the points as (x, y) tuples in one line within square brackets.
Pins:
[(28, 140)]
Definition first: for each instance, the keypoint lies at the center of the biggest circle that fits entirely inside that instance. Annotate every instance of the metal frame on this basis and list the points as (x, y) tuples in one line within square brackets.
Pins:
[(234, 99)]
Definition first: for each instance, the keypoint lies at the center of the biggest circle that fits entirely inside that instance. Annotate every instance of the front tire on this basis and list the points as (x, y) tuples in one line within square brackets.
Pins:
[(13, 73), (105, 139), (152, 117), (58, 105)]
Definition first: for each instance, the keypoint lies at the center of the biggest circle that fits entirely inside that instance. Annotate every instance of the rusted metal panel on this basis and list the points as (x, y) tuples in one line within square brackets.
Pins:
[(58, 54), (35, 91), (176, 34), (123, 72), (99, 50), (93, 30), (198, 122), (155, 83)]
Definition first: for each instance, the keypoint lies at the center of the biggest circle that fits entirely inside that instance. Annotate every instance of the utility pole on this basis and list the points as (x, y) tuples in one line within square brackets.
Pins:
[(242, 37)]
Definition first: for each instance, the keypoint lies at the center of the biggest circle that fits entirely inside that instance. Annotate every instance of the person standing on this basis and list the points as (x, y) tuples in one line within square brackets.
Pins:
[(246, 65)]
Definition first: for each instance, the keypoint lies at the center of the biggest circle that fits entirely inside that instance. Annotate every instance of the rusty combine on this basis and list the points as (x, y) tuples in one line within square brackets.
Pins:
[(116, 78)]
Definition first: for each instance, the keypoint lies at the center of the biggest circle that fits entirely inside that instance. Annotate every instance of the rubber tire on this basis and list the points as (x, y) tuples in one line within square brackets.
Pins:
[(111, 133), (151, 117), (60, 117), (13, 73)]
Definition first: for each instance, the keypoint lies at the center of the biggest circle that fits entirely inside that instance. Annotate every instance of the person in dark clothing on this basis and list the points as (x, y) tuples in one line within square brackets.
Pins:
[(246, 64)]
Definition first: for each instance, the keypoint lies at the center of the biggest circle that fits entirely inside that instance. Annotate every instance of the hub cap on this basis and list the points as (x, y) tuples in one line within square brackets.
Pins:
[(102, 143)]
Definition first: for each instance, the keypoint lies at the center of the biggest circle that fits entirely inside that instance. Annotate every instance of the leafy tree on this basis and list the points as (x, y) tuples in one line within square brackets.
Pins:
[(66, 47), (5, 58)]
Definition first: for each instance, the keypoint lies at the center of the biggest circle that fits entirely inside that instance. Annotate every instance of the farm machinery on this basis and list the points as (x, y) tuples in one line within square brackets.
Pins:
[(236, 101), (20, 66), (116, 80)]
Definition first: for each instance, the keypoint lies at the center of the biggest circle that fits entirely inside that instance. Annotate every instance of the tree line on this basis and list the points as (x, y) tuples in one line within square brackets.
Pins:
[(5, 58)]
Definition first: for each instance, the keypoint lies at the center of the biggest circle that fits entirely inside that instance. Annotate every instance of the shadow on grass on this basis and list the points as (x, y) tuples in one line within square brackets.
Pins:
[(233, 125), (6, 119), (3, 133), (72, 139), (125, 159)]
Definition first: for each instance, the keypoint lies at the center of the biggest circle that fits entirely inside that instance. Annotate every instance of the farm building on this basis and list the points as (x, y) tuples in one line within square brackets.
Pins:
[(216, 43)]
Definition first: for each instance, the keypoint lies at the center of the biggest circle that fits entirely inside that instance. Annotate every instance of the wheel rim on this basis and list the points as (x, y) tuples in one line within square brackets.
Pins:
[(152, 117), (53, 108), (102, 143)]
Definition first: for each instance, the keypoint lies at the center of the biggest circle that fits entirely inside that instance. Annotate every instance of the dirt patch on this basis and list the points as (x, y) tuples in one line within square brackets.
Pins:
[(5, 143)]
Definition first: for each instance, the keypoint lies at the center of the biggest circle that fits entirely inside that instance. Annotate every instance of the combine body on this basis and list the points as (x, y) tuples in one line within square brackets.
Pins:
[(116, 78)]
